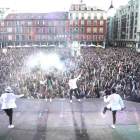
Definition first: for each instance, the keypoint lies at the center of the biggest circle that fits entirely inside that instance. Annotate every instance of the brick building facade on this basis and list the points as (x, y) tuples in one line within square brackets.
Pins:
[(81, 23)]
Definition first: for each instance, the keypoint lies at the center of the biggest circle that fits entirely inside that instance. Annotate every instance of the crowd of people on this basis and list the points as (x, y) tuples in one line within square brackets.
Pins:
[(102, 69)]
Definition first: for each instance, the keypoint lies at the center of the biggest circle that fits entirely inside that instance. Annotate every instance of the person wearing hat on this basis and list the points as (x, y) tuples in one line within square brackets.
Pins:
[(115, 103), (8, 103)]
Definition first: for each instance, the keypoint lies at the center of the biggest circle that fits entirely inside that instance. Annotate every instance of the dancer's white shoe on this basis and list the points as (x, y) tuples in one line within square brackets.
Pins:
[(11, 126)]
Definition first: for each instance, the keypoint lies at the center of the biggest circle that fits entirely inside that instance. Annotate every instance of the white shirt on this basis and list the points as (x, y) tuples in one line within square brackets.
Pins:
[(8, 100), (115, 100), (72, 82)]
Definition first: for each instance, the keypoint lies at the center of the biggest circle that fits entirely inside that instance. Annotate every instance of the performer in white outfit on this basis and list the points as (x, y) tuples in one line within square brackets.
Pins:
[(73, 87), (116, 103), (8, 103)]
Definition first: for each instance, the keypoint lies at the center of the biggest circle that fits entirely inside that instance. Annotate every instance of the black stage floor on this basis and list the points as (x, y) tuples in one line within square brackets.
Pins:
[(61, 120)]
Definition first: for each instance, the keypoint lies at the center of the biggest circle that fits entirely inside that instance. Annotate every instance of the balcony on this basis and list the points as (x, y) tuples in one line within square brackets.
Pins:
[(130, 32), (82, 17), (94, 32), (88, 32), (55, 25), (88, 24), (76, 25), (71, 24), (77, 18), (22, 32), (94, 24), (101, 17), (82, 24), (44, 39), (95, 17), (100, 32), (71, 17), (131, 24), (89, 17)]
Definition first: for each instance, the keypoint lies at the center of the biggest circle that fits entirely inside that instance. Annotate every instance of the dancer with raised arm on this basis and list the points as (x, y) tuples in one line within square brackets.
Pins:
[(115, 103), (73, 87), (8, 103)]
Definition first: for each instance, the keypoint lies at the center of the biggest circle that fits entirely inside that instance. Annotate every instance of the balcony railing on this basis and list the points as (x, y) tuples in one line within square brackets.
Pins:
[(82, 24), (94, 24), (82, 17)]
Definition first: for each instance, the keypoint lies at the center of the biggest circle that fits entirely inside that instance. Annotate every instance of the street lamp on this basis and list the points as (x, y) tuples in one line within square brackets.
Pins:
[(3, 32)]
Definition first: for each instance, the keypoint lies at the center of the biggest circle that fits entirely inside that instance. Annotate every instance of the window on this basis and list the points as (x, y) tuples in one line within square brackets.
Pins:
[(77, 7), (38, 22), (94, 30), (56, 30), (101, 15), (71, 37), (71, 23), (16, 23), (22, 30), (88, 8), (29, 23), (17, 30), (63, 23), (76, 30), (82, 7), (88, 30), (23, 37), (101, 38), (29, 30), (71, 30), (50, 23), (101, 30), (56, 23), (101, 22), (30, 16), (82, 22), (82, 16), (76, 15), (50, 38), (63, 38), (135, 22), (9, 30), (44, 30), (82, 37), (50, 30), (43, 23), (44, 38), (88, 37), (88, 23), (17, 37), (76, 23), (37, 37), (9, 23), (94, 37), (71, 8), (63, 30), (89, 16), (95, 16), (23, 16), (71, 16), (1, 16), (29, 38), (10, 37), (2, 23), (37, 16), (22, 23), (95, 22), (56, 38), (82, 30), (76, 37), (37, 30)]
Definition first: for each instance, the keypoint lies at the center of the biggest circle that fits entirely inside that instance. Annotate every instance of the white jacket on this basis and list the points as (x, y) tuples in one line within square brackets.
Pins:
[(116, 102), (8, 100), (72, 82)]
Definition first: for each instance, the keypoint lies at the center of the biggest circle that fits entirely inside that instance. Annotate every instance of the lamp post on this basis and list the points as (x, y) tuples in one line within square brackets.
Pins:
[(3, 32)]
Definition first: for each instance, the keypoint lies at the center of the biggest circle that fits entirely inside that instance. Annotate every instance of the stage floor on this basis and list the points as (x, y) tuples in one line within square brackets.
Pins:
[(61, 120)]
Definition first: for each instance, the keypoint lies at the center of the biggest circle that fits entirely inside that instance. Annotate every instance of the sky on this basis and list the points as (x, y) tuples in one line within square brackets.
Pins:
[(56, 5)]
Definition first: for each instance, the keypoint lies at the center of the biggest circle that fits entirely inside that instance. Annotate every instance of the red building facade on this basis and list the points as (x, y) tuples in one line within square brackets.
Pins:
[(80, 23)]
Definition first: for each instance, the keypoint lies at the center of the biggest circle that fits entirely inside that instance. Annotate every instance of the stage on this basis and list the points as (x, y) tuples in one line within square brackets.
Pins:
[(61, 120)]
